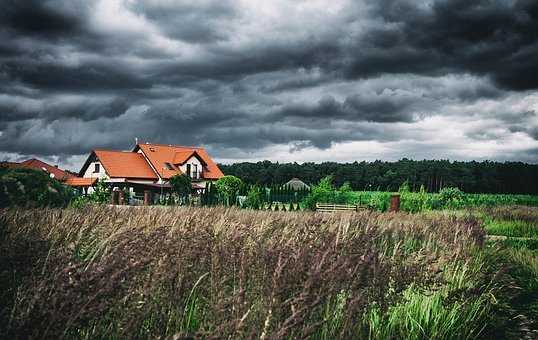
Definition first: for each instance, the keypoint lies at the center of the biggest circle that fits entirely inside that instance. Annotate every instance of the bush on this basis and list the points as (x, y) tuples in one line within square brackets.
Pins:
[(182, 186), (322, 192), (344, 195), (79, 202), (379, 201), (451, 198), (325, 192), (229, 187), (32, 188), (101, 192), (254, 197), (414, 202)]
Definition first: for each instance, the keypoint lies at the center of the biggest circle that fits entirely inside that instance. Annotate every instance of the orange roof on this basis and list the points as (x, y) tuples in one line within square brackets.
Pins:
[(125, 164), (159, 154), (80, 181), (184, 155), (40, 165)]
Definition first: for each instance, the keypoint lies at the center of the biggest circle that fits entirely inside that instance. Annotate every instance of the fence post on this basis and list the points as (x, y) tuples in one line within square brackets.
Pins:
[(147, 197), (114, 197), (395, 203)]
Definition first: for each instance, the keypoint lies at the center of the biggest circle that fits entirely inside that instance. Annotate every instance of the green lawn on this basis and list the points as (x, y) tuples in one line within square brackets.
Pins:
[(512, 228), (513, 247)]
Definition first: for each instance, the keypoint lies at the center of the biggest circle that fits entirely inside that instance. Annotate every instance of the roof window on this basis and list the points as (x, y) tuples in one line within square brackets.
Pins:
[(152, 149), (168, 166)]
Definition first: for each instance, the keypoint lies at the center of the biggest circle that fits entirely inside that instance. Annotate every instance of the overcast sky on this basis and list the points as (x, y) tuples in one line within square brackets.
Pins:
[(281, 80)]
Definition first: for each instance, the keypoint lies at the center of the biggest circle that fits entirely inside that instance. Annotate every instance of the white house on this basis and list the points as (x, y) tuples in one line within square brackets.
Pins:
[(147, 167)]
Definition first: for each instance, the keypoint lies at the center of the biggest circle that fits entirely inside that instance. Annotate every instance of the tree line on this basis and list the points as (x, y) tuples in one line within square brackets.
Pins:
[(471, 177)]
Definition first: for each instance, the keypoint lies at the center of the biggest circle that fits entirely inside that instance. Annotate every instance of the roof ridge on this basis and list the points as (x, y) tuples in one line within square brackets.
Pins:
[(109, 150), (172, 145)]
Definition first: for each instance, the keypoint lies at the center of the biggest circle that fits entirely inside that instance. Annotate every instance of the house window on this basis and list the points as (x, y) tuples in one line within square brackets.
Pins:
[(97, 168), (189, 169), (195, 171)]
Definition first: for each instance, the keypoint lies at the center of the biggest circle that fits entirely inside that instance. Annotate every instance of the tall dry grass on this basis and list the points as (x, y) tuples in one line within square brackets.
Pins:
[(102, 272)]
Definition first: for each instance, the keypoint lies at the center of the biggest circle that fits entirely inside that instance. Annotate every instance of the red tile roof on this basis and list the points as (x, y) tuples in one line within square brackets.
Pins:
[(40, 165), (80, 181), (125, 164), (159, 154)]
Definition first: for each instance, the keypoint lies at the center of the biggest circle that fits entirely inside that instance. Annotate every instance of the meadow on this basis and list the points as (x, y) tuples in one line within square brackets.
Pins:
[(282, 198), (450, 198), (147, 272)]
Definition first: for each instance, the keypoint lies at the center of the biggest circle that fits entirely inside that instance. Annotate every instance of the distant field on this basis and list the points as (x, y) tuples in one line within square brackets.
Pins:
[(415, 201)]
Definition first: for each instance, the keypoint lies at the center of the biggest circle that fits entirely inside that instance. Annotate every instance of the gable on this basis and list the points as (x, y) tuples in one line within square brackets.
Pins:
[(186, 156), (159, 155)]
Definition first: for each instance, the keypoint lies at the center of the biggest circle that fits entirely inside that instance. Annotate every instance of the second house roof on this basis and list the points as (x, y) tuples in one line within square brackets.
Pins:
[(125, 164)]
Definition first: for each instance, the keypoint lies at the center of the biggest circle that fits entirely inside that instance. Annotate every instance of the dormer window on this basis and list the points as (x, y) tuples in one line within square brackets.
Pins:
[(97, 168)]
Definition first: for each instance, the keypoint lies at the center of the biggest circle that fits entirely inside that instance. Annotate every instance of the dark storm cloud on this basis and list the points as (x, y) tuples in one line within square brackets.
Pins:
[(84, 109), (76, 75), (39, 17), (95, 76), (496, 38), (299, 81), (359, 107), (229, 65)]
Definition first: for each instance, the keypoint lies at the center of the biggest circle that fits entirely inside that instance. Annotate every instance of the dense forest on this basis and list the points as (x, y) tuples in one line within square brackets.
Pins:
[(471, 177)]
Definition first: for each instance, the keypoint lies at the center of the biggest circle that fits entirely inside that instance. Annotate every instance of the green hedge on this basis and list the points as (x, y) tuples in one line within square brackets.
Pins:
[(31, 188)]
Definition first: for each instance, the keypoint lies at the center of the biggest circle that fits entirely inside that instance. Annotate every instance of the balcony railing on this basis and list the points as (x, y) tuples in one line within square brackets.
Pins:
[(196, 176)]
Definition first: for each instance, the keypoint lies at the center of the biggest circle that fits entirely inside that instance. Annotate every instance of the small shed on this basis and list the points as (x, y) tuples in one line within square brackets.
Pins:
[(296, 184)]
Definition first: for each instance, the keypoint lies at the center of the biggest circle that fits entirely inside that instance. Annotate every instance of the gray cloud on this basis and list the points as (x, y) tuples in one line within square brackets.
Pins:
[(495, 38), (38, 18), (196, 22), (242, 78)]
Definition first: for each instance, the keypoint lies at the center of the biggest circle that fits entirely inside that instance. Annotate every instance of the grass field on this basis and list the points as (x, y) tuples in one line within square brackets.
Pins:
[(513, 245), (416, 201), (521, 229), (102, 272)]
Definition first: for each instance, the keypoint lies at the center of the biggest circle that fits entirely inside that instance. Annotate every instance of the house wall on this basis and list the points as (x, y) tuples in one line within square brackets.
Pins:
[(193, 161), (90, 174)]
